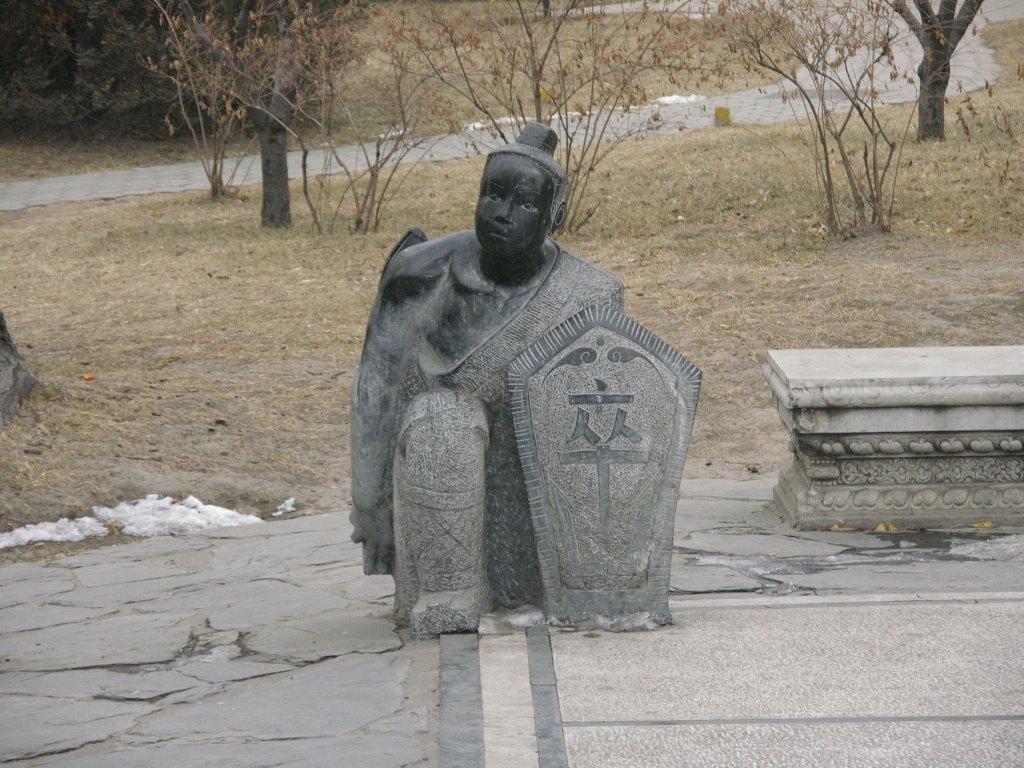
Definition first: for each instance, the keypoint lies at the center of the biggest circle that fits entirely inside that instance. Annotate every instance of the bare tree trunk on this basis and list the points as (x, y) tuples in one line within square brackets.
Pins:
[(931, 109), (15, 380), (273, 122), (939, 31), (273, 138)]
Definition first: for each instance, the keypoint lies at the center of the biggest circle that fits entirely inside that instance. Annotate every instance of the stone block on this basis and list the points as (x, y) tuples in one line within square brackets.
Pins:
[(920, 437)]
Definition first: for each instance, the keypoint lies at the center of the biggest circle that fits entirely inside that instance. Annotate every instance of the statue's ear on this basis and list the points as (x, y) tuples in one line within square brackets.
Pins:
[(559, 218)]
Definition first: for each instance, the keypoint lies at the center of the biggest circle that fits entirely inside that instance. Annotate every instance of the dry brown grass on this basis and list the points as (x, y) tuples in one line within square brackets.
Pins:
[(223, 354)]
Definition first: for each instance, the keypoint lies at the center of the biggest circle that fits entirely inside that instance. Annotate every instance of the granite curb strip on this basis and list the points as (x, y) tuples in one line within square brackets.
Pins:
[(462, 727), (546, 712)]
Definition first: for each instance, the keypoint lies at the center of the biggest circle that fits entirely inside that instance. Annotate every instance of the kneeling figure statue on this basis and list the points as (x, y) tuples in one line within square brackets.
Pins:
[(439, 497)]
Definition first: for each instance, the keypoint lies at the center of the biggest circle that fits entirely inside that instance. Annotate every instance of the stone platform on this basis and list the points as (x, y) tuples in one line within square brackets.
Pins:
[(917, 437)]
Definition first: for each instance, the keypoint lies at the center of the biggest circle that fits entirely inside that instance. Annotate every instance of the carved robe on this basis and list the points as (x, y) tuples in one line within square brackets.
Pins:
[(438, 323)]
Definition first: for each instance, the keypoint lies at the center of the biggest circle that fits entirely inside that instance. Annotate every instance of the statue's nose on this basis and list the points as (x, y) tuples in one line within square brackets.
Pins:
[(505, 214)]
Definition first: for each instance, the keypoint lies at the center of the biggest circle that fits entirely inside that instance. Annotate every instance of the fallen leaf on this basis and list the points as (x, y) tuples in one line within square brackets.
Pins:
[(986, 524), (89, 378)]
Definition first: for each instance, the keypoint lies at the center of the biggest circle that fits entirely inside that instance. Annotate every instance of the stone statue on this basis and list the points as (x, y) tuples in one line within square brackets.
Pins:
[(439, 497), (15, 380)]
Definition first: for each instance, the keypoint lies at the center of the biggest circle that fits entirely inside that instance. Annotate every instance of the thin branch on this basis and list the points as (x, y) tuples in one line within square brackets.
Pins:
[(912, 21)]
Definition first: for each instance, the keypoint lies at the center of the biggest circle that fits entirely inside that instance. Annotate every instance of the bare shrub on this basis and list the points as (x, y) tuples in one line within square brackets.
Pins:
[(576, 68), (361, 178), (836, 60), (203, 79)]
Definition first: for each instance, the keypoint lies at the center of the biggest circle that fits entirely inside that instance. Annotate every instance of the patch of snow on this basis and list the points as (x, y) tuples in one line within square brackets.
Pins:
[(1003, 548), (217, 655), (677, 99), (483, 125), (506, 621), (394, 132), (631, 622), (288, 505), (156, 516), (62, 530)]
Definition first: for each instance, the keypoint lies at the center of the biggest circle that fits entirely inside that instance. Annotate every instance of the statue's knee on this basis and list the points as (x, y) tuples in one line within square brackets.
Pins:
[(439, 502), (443, 441)]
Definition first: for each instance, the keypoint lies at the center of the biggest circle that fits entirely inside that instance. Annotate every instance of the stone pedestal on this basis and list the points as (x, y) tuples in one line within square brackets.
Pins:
[(920, 437)]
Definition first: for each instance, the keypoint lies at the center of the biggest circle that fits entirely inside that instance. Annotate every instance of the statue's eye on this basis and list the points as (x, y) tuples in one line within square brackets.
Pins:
[(531, 207), (494, 197)]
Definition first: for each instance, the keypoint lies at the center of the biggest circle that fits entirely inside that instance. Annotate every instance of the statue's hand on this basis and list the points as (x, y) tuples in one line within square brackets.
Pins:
[(378, 545), (378, 557)]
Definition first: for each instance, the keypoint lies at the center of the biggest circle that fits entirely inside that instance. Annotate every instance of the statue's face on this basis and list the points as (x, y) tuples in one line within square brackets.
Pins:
[(513, 214)]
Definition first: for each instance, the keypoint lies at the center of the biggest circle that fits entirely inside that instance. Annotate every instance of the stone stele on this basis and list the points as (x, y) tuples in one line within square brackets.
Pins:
[(603, 411), (922, 437)]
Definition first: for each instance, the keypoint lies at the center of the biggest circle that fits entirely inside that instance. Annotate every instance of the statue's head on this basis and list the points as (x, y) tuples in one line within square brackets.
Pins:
[(522, 194)]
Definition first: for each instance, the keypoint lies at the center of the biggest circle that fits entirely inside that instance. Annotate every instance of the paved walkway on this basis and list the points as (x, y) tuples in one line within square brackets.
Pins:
[(973, 65), (265, 646)]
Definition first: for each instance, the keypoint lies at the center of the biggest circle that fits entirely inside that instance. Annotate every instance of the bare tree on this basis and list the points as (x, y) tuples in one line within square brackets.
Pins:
[(258, 46), (575, 67), (939, 31), (835, 58), (405, 98), (203, 81)]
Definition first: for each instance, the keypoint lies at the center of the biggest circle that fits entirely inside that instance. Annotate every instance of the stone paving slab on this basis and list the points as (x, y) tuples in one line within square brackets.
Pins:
[(732, 543), (924, 744), (370, 749), (912, 577), (705, 579), (858, 684), (230, 647), (767, 664)]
